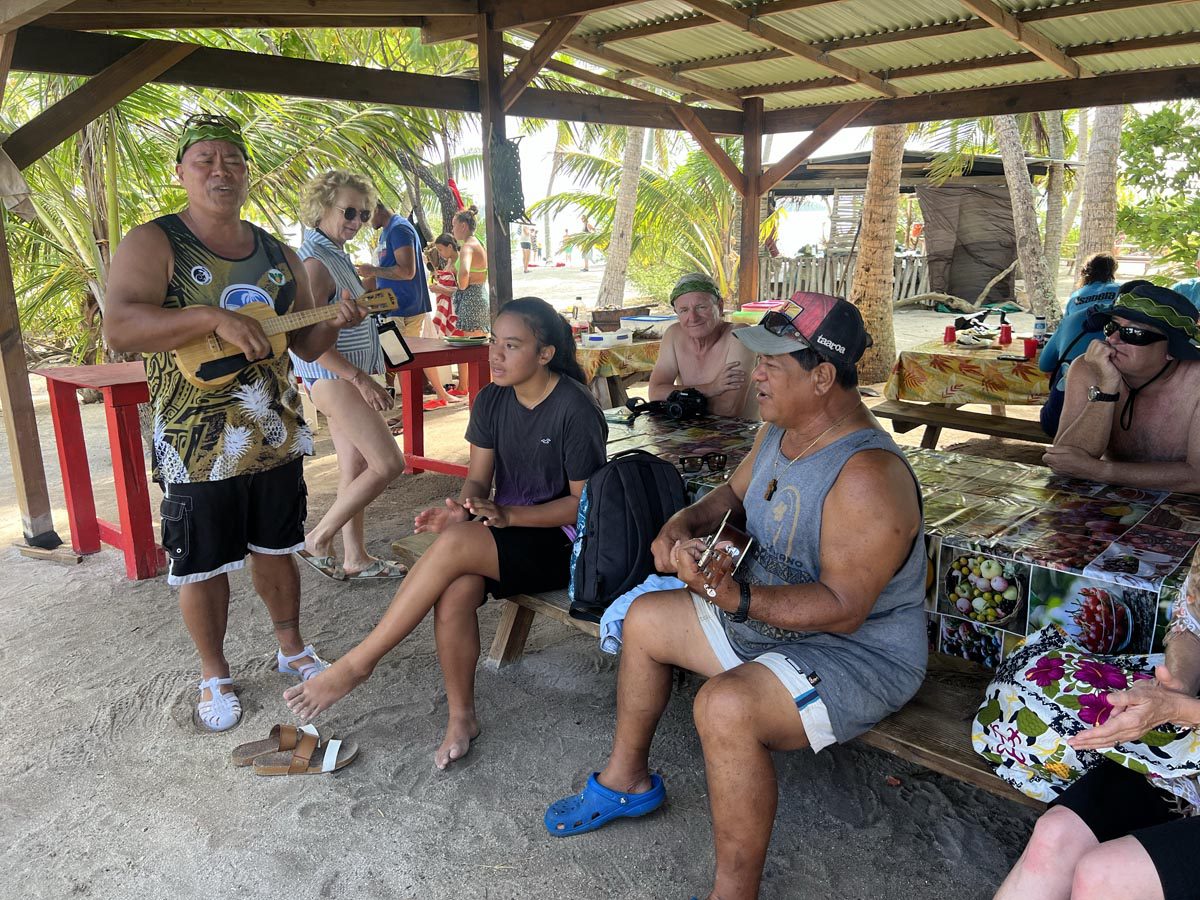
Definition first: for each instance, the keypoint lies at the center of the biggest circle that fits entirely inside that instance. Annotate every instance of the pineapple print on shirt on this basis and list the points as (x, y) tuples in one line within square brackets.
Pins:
[(252, 424)]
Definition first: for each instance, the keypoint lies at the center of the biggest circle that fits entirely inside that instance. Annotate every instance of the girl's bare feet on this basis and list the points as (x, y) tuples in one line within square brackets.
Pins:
[(460, 731), (320, 692)]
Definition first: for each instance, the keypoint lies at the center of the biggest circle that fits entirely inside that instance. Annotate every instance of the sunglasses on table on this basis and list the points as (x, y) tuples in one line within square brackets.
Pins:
[(1131, 334), (714, 461), (349, 212)]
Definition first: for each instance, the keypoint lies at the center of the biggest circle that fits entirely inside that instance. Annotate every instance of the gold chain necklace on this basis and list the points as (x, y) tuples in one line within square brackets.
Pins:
[(774, 483)]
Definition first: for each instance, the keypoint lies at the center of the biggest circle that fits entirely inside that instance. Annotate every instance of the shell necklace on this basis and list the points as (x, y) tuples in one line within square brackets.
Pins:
[(773, 484)]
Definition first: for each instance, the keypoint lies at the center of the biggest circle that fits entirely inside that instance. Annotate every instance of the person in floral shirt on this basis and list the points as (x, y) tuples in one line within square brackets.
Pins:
[(1113, 833)]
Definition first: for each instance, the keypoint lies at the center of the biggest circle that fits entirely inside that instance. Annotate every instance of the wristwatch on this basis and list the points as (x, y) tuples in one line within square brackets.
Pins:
[(1095, 395), (743, 610)]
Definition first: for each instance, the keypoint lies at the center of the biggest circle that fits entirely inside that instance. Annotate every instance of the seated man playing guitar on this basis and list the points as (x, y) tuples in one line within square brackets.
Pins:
[(229, 457), (819, 634)]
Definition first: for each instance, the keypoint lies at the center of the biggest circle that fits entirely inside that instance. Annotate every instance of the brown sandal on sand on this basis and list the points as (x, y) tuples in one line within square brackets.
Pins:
[(336, 755), (283, 737)]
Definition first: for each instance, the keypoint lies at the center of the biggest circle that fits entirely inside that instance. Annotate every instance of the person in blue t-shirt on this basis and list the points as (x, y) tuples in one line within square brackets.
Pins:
[(1190, 287), (400, 266), (1071, 339)]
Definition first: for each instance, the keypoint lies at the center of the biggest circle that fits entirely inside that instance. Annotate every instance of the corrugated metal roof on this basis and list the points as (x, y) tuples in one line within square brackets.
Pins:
[(966, 39)]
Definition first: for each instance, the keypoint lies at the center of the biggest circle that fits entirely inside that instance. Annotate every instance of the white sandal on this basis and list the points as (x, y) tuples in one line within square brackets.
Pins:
[(223, 711), (315, 665)]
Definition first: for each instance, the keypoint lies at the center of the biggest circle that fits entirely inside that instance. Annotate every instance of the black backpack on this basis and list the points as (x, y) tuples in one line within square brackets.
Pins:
[(624, 505)]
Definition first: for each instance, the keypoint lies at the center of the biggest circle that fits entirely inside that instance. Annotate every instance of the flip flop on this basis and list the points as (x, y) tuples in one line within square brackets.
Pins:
[(433, 404), (380, 568), (283, 737), (597, 805), (337, 755), (326, 565)]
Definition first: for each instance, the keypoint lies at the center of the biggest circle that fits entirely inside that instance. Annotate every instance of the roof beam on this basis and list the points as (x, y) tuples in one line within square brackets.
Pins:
[(533, 61), (653, 72), (508, 15), (713, 150), (735, 17), (695, 20), (602, 81), (15, 13), (1082, 8), (183, 8), (1025, 35), (736, 59), (1142, 86), (71, 21), (827, 128)]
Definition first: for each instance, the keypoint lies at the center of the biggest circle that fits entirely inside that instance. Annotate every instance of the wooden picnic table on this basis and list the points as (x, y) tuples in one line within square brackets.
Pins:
[(610, 370), (123, 386), (931, 381)]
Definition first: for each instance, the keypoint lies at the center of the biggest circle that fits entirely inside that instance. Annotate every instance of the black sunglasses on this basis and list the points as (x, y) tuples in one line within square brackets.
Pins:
[(349, 212), (779, 324), (714, 461), (1130, 334)]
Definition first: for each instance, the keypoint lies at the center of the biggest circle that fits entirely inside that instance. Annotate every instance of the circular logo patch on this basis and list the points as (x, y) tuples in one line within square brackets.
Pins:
[(201, 275), (238, 295), (276, 276)]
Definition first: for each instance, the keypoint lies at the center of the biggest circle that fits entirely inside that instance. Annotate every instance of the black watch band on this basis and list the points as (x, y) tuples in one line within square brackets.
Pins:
[(743, 610)]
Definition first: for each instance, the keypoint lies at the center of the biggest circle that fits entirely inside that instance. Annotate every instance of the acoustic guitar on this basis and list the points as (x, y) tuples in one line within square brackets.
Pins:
[(211, 362), (724, 552)]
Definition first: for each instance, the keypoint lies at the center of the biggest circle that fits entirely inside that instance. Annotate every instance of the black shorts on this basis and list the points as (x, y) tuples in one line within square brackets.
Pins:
[(208, 527), (532, 560), (524, 245), (1115, 801)]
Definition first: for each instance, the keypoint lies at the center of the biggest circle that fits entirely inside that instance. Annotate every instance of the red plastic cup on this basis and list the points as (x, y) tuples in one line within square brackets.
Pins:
[(1005, 334), (950, 336), (1031, 348)]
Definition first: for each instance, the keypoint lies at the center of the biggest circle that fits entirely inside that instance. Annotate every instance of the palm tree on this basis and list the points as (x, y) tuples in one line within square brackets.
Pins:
[(874, 270), (1038, 285), (1098, 228), (620, 242), (1056, 145)]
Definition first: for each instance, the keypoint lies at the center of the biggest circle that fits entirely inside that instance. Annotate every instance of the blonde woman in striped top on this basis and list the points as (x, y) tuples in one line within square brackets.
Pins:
[(334, 206)]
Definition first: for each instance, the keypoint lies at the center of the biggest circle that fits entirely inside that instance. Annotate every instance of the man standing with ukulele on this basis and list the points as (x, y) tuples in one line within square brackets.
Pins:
[(229, 459)]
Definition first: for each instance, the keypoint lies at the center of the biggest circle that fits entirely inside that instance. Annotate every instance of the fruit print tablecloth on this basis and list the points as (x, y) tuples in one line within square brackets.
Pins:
[(934, 372), (1013, 548), (605, 362)]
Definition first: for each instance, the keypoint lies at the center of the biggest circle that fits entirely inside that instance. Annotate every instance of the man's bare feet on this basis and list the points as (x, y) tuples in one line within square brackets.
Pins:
[(459, 734), (308, 698)]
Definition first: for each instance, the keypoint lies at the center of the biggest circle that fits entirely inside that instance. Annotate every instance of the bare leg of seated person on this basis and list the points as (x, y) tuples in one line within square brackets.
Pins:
[(456, 629), (742, 715), (462, 549)]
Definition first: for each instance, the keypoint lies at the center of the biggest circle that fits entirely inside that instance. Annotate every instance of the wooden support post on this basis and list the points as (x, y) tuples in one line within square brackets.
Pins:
[(533, 61), (20, 423), (831, 125), (752, 112), (491, 82), (708, 143)]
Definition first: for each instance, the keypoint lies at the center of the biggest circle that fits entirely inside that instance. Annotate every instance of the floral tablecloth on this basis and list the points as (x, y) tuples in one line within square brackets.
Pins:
[(934, 372), (605, 362)]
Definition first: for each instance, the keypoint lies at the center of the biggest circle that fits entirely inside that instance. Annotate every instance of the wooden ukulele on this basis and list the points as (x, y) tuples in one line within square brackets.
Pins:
[(725, 551), (210, 362)]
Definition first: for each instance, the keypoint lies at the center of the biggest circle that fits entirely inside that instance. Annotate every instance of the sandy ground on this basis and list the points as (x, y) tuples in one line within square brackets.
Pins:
[(109, 792)]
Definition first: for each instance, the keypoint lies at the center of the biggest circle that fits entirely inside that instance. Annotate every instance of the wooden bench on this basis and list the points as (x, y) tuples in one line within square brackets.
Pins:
[(932, 730), (906, 416)]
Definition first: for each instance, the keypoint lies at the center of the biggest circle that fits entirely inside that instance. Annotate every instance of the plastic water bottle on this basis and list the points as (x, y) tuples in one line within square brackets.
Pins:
[(1039, 329)]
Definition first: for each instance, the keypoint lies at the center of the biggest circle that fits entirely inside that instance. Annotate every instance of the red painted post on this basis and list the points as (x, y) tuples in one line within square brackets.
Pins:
[(143, 557), (412, 381), (73, 461)]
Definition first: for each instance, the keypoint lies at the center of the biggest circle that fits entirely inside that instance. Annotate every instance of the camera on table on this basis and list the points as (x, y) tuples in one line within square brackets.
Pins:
[(685, 404)]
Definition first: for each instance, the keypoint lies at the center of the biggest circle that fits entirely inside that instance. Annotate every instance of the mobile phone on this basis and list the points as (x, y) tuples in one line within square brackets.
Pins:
[(1013, 358)]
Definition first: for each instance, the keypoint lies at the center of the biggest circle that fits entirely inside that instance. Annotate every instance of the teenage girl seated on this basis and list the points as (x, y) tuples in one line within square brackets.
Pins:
[(536, 434)]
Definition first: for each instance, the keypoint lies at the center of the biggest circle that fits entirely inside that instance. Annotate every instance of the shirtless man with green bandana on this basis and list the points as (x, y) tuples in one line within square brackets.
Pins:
[(699, 352), (229, 459), (1131, 414)]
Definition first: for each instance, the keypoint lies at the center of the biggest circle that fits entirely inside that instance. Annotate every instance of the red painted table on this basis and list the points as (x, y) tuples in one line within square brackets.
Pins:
[(124, 387), (428, 353)]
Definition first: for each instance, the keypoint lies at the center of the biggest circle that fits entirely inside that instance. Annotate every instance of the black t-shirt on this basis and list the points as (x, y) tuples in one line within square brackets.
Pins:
[(539, 450)]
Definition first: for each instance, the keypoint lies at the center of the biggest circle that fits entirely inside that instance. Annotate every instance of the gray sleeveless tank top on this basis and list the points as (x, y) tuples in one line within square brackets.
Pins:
[(864, 676)]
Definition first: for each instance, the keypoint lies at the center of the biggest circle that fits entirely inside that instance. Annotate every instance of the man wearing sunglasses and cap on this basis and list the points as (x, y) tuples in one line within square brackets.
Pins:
[(819, 634), (230, 459), (1130, 411)]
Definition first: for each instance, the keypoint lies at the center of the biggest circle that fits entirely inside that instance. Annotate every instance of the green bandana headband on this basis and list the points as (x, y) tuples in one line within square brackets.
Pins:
[(200, 128), (1160, 313), (690, 283)]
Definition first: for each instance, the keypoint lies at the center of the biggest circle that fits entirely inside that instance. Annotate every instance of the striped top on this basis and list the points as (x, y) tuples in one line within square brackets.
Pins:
[(360, 344)]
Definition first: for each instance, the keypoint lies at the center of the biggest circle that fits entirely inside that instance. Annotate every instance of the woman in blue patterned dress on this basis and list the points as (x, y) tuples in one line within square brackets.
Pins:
[(334, 206)]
